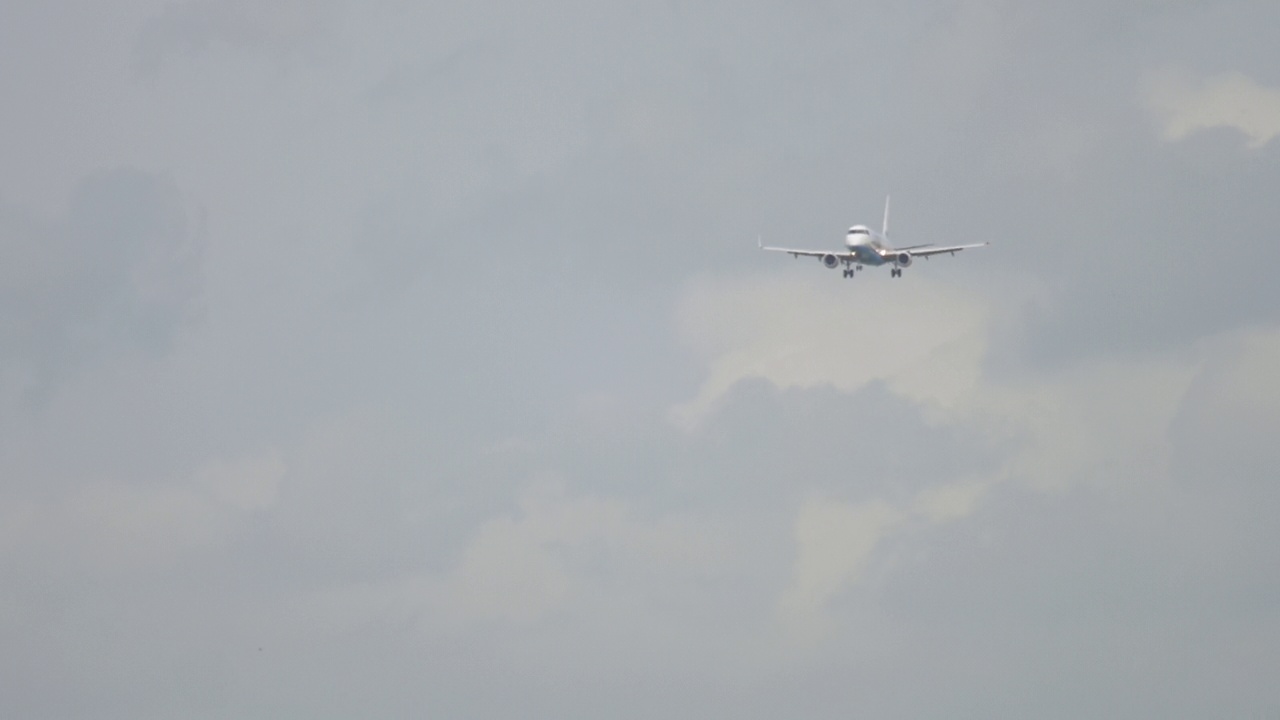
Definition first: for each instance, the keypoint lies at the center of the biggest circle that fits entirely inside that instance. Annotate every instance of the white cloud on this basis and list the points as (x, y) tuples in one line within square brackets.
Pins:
[(117, 525), (559, 560), (1104, 420), (512, 571), (950, 502), (1185, 103), (799, 331), (247, 484), (518, 568), (1242, 373), (128, 525), (1103, 423), (834, 540), (1232, 406)]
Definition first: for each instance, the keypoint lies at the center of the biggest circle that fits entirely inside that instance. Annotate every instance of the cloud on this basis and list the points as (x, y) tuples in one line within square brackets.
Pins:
[(1185, 103), (122, 271), (1231, 405), (114, 526), (1033, 480), (950, 502), (249, 484), (833, 541), (518, 569), (194, 27), (797, 332), (930, 351)]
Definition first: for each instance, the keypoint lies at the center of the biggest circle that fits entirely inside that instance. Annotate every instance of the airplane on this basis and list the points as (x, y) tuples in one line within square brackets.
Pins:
[(864, 246)]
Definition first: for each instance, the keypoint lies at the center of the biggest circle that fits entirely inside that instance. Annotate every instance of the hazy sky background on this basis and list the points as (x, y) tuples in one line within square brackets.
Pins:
[(397, 359)]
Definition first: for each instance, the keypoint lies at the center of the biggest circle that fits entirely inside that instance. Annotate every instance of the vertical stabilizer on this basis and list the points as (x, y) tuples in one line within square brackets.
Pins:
[(884, 230)]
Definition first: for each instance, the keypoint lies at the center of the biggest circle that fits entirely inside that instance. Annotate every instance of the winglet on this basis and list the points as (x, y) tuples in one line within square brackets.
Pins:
[(760, 241), (884, 229)]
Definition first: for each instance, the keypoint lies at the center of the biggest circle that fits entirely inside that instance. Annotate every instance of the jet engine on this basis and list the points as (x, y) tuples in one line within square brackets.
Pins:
[(830, 260), (903, 259)]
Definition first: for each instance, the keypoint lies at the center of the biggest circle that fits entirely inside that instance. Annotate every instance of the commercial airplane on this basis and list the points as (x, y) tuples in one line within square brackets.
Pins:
[(864, 246)]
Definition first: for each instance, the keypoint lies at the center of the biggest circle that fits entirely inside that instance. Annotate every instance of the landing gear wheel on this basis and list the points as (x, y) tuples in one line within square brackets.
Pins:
[(896, 272)]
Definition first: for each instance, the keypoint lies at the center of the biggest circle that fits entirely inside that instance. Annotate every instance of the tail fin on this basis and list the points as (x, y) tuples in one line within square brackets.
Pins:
[(884, 230)]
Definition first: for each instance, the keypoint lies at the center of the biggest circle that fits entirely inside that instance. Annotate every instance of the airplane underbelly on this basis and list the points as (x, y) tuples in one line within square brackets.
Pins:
[(870, 257), (866, 255)]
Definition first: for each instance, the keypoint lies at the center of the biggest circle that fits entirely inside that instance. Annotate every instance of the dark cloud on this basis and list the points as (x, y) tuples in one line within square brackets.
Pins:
[(276, 28), (1145, 271), (442, 313), (1056, 606), (120, 272)]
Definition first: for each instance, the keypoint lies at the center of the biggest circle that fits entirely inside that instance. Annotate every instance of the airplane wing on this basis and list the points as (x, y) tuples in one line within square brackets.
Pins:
[(796, 252), (806, 253), (927, 250), (840, 257)]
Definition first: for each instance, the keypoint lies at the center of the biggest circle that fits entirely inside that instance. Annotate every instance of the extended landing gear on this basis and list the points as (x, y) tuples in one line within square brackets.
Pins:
[(895, 272), (848, 273)]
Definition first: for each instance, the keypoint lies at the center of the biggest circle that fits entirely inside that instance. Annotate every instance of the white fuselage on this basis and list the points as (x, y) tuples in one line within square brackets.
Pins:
[(867, 246)]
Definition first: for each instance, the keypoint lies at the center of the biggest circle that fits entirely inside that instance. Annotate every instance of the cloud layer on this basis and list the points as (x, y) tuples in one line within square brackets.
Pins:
[(390, 360)]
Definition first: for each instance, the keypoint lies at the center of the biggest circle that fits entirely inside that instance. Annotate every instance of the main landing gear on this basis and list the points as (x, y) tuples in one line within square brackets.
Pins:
[(851, 271), (895, 272)]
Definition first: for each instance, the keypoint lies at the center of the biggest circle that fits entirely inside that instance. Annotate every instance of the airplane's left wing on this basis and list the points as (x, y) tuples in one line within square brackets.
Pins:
[(927, 250)]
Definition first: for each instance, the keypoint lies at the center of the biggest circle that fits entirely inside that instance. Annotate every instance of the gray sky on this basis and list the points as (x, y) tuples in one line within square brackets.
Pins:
[(388, 360)]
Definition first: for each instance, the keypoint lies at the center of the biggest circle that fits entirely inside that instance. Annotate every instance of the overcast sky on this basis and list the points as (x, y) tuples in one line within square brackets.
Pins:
[(411, 360)]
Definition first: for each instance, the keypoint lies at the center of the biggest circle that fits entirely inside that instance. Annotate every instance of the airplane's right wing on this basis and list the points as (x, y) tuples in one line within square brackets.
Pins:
[(806, 253), (826, 257), (795, 252)]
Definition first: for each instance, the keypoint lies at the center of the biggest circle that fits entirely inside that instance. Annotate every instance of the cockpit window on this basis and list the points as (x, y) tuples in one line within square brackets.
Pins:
[(858, 231)]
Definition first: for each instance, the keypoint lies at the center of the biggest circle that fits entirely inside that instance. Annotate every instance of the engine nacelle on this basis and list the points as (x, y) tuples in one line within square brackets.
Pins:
[(830, 260), (903, 260)]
